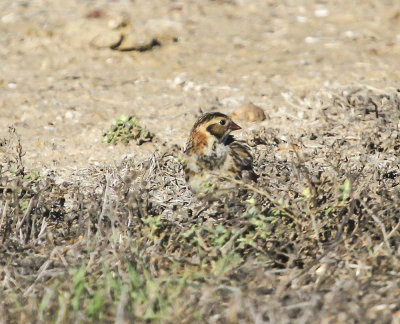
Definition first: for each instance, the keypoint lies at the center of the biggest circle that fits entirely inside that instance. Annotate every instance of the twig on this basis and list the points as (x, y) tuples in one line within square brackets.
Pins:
[(394, 230), (381, 226), (105, 200), (225, 248), (313, 192), (3, 216), (385, 237), (338, 238), (123, 300), (201, 241), (27, 213), (41, 272), (278, 205)]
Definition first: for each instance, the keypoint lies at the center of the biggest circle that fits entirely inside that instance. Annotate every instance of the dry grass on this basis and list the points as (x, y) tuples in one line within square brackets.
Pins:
[(316, 240)]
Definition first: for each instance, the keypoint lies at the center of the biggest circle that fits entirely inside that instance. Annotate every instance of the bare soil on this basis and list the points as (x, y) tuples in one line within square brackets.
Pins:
[(96, 232)]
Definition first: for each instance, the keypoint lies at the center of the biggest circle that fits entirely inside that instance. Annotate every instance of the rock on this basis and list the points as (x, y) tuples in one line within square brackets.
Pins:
[(94, 32), (96, 14), (155, 32), (249, 112), (136, 41), (106, 39), (164, 30), (117, 32)]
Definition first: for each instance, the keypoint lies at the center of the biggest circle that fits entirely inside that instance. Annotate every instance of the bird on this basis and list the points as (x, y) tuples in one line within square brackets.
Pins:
[(212, 156)]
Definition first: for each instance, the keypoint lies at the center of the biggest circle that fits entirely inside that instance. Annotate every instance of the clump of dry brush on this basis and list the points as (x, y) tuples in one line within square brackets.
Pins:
[(316, 238)]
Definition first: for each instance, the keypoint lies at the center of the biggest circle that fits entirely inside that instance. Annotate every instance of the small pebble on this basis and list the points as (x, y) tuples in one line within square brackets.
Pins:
[(229, 101), (322, 12), (95, 14), (301, 19), (188, 86), (349, 34), (180, 79), (69, 115), (10, 18), (311, 40), (249, 112)]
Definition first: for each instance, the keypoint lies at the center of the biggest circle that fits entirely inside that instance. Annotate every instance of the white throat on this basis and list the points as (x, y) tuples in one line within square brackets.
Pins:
[(216, 148)]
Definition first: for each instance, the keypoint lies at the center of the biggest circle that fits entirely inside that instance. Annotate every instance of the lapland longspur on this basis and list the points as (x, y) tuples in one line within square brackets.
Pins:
[(213, 155)]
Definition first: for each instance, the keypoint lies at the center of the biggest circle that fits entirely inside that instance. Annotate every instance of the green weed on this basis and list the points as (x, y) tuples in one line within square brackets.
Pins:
[(125, 129)]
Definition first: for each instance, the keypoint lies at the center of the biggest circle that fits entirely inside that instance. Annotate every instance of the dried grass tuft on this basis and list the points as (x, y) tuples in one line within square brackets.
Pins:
[(316, 239)]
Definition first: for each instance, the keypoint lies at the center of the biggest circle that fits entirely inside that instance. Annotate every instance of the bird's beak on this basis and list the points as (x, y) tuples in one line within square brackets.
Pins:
[(235, 126)]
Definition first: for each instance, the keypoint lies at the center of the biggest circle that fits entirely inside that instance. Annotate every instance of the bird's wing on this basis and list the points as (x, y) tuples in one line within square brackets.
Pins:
[(242, 158), (241, 155)]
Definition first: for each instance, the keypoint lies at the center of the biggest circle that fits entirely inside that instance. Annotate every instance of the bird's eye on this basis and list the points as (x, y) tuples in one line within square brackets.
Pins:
[(222, 122)]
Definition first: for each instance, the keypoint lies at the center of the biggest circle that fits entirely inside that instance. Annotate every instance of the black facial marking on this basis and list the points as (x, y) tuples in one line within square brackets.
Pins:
[(208, 116), (217, 130)]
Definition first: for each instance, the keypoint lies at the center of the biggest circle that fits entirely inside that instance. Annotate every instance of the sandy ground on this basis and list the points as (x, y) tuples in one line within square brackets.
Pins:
[(61, 85), (320, 241)]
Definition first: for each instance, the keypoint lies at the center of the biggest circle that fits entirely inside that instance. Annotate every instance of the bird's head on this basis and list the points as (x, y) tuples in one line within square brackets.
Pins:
[(215, 125)]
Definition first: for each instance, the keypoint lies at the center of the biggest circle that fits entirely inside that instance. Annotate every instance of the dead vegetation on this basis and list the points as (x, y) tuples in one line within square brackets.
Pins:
[(316, 240)]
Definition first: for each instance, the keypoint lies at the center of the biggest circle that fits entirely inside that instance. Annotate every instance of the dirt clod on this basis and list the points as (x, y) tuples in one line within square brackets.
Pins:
[(249, 112)]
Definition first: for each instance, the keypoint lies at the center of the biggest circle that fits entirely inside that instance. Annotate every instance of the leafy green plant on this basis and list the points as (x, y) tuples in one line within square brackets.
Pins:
[(78, 276), (219, 236), (23, 204), (226, 263), (258, 225), (344, 191), (96, 303), (33, 175), (125, 129)]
